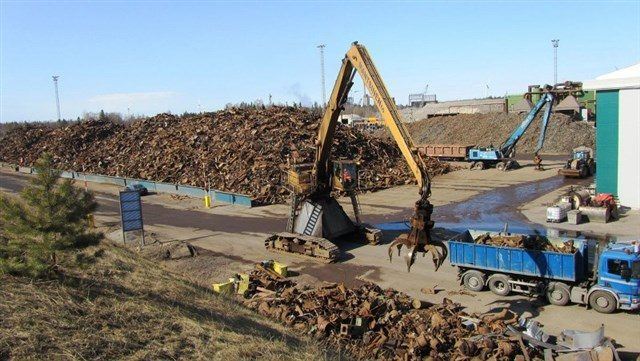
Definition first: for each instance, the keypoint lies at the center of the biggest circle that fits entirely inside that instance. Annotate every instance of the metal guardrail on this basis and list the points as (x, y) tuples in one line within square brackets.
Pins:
[(152, 186)]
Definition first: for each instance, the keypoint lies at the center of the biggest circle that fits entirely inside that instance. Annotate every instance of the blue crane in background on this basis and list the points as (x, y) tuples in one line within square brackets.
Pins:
[(502, 156)]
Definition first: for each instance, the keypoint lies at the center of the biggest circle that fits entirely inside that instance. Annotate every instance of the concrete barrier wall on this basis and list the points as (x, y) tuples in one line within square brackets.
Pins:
[(190, 191), (166, 188)]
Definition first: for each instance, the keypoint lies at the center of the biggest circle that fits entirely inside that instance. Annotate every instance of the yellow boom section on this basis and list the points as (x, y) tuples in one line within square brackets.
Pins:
[(359, 57)]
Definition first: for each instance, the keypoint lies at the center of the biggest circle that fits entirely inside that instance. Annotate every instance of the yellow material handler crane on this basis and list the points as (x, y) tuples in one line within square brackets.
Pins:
[(316, 218)]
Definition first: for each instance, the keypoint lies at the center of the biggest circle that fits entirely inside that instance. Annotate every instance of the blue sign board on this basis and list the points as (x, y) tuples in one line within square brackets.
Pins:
[(130, 211)]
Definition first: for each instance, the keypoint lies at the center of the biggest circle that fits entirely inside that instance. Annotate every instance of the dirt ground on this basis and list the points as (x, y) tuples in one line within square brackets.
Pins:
[(462, 198)]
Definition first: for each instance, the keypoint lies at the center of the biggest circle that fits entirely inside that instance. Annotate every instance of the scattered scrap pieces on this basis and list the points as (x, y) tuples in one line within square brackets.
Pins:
[(430, 290), (461, 292), (369, 322)]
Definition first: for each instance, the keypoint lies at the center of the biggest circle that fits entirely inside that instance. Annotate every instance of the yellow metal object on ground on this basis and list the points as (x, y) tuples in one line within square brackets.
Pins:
[(280, 268), (225, 288), (207, 201), (242, 283)]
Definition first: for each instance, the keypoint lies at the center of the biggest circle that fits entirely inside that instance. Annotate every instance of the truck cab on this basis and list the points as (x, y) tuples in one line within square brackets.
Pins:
[(618, 280)]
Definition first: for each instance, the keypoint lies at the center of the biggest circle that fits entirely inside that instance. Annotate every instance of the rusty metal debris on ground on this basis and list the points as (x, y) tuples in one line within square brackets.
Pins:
[(430, 290), (240, 150), (534, 242), (373, 323), (461, 292)]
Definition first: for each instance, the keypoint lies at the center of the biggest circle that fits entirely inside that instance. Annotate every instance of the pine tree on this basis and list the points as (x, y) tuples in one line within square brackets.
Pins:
[(49, 219)]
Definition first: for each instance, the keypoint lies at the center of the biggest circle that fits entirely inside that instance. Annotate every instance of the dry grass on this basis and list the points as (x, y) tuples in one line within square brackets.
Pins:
[(122, 306)]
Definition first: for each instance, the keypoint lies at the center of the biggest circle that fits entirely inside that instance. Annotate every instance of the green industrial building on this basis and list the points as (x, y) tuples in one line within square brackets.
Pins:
[(618, 134)]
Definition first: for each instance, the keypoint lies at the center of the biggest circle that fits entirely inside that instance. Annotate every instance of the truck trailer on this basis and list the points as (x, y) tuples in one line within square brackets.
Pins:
[(612, 282)]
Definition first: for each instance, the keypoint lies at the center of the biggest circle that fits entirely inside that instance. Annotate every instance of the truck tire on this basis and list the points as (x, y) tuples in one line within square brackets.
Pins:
[(603, 302), (478, 165), (499, 284), (501, 166), (474, 281), (558, 294)]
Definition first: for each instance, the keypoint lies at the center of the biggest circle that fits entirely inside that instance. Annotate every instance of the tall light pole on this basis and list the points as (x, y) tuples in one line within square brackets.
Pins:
[(555, 60), (55, 84), (324, 93)]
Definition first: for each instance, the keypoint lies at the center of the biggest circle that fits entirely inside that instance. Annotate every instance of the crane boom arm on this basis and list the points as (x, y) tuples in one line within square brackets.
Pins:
[(358, 59), (507, 147), (543, 127)]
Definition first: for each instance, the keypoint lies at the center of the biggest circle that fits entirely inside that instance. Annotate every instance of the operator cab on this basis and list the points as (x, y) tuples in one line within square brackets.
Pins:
[(581, 154), (345, 175)]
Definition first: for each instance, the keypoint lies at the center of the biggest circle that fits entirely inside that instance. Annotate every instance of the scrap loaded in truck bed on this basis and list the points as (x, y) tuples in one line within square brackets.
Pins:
[(532, 265)]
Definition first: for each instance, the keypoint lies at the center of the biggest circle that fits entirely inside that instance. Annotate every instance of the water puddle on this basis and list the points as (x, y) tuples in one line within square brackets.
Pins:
[(491, 210)]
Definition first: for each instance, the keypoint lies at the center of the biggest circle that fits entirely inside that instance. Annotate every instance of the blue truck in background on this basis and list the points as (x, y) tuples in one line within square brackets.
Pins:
[(612, 281)]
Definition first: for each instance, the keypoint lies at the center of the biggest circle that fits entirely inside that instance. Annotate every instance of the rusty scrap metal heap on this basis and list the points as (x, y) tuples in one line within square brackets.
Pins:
[(241, 150), (371, 323), (535, 243)]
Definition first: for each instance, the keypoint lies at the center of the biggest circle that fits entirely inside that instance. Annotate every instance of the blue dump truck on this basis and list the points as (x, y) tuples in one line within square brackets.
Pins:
[(611, 281)]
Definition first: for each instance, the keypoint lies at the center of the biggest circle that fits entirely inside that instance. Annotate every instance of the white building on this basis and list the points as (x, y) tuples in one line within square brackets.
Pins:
[(618, 134)]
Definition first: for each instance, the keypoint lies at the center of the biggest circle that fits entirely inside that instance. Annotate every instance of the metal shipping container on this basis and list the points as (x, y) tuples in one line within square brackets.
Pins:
[(448, 151)]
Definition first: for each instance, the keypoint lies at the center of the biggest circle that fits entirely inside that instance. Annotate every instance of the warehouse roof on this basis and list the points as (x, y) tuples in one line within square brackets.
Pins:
[(625, 78)]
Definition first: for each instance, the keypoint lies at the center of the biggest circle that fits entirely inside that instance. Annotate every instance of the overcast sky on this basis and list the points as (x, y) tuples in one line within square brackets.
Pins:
[(146, 57)]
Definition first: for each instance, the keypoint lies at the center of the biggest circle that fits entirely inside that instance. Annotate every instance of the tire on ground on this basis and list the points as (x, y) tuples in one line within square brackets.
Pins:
[(499, 284), (603, 302), (478, 166), (558, 293), (501, 166), (474, 280)]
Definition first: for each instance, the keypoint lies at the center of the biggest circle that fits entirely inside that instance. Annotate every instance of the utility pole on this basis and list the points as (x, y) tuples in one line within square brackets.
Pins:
[(324, 93), (555, 60), (365, 97), (55, 84)]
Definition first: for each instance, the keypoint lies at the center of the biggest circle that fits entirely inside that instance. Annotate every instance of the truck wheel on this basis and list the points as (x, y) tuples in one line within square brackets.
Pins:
[(603, 302), (473, 280), (478, 166), (499, 284), (501, 166), (558, 294)]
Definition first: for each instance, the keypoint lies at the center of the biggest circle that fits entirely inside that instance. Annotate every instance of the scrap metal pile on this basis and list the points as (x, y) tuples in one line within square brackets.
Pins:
[(535, 243), (371, 323), (563, 133), (241, 150)]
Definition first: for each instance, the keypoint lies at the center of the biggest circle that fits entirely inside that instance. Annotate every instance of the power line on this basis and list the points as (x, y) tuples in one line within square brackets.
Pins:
[(324, 93), (55, 84), (555, 60)]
